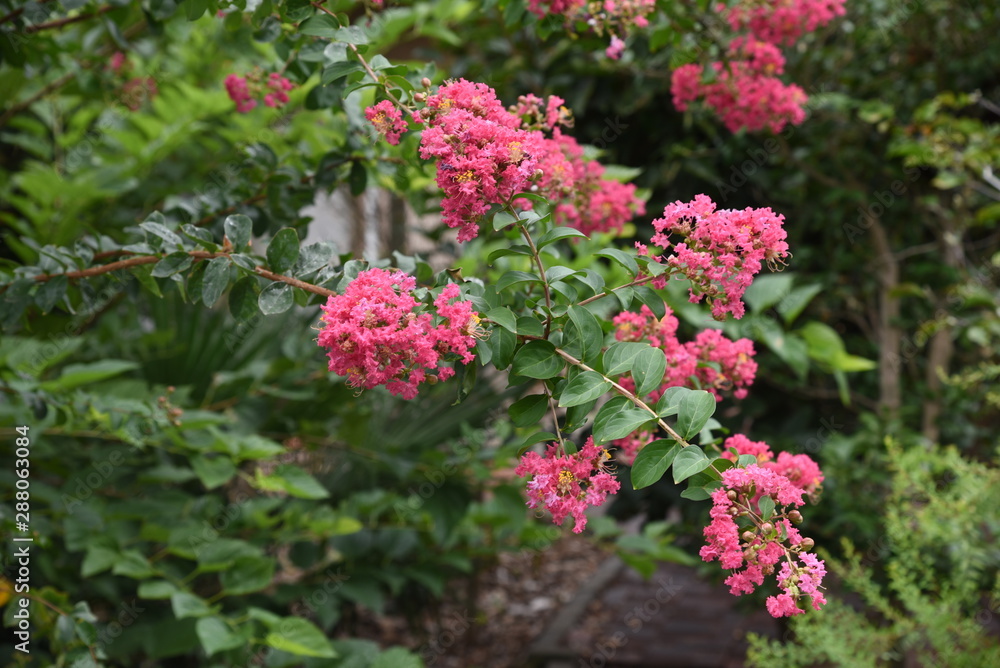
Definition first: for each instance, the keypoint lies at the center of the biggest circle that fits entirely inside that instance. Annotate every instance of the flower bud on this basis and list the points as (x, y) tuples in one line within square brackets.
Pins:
[(795, 517), (419, 97), (807, 544), (732, 495), (748, 536), (425, 82), (766, 527)]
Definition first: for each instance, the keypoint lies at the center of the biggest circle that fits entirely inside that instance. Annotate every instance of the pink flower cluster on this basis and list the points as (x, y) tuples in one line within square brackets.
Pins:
[(746, 92), (780, 21), (711, 362), (800, 470), (612, 17), (376, 336), (487, 154), (245, 91), (388, 120), (132, 92), (721, 250), (566, 484), (741, 537)]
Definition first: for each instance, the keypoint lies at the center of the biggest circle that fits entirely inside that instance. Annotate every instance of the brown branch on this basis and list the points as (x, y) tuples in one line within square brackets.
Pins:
[(21, 106), (198, 256), (17, 12), (58, 23), (638, 281)]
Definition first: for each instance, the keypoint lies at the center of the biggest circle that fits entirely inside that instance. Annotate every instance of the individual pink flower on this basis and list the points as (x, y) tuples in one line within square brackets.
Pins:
[(744, 446), (376, 334), (239, 92), (719, 251), (388, 120), (118, 61), (278, 87), (615, 49), (567, 484)]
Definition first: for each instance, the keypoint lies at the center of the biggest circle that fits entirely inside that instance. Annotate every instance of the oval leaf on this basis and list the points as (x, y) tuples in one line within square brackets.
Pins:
[(653, 461)]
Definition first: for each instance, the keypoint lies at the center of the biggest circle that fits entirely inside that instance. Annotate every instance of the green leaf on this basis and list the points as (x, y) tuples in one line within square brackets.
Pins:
[(558, 233), (586, 333), (351, 35), (621, 257), (767, 290), (529, 326), (617, 419), (276, 298), (283, 251), (338, 70), (98, 558), (50, 292), (648, 369), (528, 410), (585, 387), (512, 278), (238, 229), (792, 306), (292, 480), (215, 280), (397, 657), (172, 264), (620, 356), (502, 342), (156, 589), (538, 359), (695, 409), (502, 219), (186, 604), (504, 317), (213, 472), (519, 249), (216, 636), (670, 401), (536, 437), (200, 236), (688, 461), (313, 256), (247, 575), (298, 636), (243, 299), (76, 375), (653, 461), (160, 230), (320, 25), (766, 505)]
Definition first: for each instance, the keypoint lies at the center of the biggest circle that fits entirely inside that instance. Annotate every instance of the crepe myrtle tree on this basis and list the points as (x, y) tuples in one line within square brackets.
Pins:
[(592, 353)]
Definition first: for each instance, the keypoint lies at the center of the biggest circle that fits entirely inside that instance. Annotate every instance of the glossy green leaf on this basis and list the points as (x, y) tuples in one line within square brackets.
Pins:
[(653, 461), (648, 368), (283, 251), (696, 407), (538, 359), (689, 461), (275, 298), (238, 229), (584, 387), (620, 356), (528, 410), (215, 280), (299, 636)]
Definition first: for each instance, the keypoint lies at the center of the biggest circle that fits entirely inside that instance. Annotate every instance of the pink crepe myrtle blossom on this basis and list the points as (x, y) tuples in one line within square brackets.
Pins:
[(751, 546), (387, 120), (615, 49), (745, 92), (566, 484), (800, 470), (376, 334), (247, 90), (720, 251), (780, 21)]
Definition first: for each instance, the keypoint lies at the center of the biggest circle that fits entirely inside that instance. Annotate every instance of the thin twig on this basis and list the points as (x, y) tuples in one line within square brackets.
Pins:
[(58, 23)]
